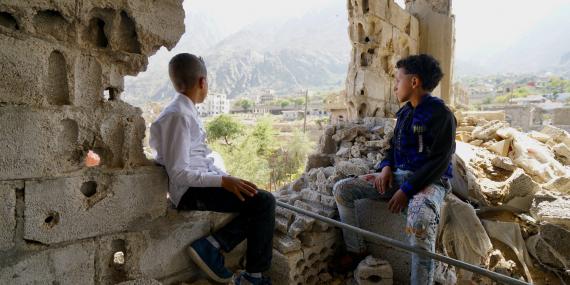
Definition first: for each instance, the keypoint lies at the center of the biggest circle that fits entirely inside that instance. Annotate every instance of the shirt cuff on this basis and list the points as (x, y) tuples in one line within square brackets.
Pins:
[(213, 180), (407, 189)]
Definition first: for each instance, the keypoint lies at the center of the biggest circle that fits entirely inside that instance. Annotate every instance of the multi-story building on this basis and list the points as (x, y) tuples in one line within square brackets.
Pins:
[(215, 104)]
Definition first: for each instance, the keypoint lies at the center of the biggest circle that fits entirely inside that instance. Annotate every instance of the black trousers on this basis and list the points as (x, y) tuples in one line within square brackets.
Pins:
[(255, 221)]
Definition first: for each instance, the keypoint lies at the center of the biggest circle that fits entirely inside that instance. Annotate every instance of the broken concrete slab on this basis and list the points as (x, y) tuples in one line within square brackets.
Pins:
[(374, 216), (462, 234), (550, 208), (501, 148), (65, 209), (488, 130), (504, 163), (510, 234)]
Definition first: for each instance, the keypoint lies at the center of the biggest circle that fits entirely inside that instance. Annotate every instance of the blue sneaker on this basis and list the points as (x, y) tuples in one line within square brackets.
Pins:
[(210, 260), (242, 278)]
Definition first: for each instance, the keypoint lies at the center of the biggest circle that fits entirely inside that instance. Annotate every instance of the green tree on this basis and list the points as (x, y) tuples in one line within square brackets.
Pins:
[(223, 127), (284, 103), (246, 104), (299, 101), (263, 136), (288, 162), (557, 85)]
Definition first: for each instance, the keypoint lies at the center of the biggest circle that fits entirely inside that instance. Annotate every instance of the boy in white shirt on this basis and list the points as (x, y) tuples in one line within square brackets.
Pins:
[(195, 183)]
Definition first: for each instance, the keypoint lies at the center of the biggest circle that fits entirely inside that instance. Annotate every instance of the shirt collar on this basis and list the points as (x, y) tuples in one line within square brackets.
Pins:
[(187, 104), (424, 98)]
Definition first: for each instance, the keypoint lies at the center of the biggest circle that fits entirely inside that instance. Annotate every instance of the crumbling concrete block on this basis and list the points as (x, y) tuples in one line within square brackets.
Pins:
[(314, 238), (300, 224), (8, 213), (349, 134), (77, 207), (345, 169), (286, 268), (374, 216), (327, 145), (373, 271), (72, 264), (317, 160), (285, 244)]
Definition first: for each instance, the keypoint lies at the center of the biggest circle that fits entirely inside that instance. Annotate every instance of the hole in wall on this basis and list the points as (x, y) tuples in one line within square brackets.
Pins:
[(52, 23), (95, 33), (362, 110), (119, 249), (89, 188), (365, 6), (385, 62), (374, 279), (8, 21), (362, 92), (111, 94), (127, 33), (363, 60), (360, 33), (51, 219), (57, 88)]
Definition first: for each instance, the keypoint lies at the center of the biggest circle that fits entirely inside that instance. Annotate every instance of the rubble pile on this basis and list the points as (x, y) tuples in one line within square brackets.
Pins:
[(519, 183), (304, 246), (508, 212)]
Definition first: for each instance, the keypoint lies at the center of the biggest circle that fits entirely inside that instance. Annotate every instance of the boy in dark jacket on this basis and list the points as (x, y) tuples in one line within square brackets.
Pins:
[(416, 170)]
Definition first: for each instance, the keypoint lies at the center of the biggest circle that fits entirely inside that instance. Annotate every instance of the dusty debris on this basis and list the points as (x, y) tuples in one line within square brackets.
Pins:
[(372, 270)]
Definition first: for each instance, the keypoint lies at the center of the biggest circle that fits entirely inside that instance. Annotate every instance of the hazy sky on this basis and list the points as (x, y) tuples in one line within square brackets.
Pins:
[(482, 26)]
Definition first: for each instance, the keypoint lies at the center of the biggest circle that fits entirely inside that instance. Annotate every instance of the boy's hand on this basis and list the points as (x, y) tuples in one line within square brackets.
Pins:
[(384, 181), (239, 187), (398, 202)]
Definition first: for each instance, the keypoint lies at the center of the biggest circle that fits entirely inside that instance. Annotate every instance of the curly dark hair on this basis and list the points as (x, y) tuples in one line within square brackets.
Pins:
[(425, 67)]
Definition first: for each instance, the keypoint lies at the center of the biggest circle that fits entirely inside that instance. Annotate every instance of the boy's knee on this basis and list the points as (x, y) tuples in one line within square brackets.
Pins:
[(266, 199), (422, 223), (341, 191)]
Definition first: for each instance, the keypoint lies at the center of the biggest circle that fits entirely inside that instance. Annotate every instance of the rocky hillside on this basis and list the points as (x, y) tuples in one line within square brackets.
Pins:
[(306, 52)]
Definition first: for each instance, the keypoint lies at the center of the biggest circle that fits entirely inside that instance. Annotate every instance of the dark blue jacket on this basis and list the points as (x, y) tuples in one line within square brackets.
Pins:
[(423, 142)]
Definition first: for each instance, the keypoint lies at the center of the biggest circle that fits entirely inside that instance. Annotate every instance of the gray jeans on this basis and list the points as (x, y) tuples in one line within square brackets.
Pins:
[(421, 223)]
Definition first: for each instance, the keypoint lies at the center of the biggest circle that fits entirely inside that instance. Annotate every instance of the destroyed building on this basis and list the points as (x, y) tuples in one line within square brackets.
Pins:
[(62, 65)]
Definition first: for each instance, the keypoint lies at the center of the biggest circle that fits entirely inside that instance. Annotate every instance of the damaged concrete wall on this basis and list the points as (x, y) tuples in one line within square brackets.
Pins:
[(382, 33), (437, 38), (62, 65)]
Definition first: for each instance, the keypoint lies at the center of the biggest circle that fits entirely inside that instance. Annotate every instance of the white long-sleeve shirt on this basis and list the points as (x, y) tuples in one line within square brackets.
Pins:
[(179, 139)]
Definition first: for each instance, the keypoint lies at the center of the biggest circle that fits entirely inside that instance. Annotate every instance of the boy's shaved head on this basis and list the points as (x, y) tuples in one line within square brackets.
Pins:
[(185, 71)]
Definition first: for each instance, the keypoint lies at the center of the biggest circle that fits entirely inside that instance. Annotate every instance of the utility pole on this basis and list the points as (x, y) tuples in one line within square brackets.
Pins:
[(305, 116)]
